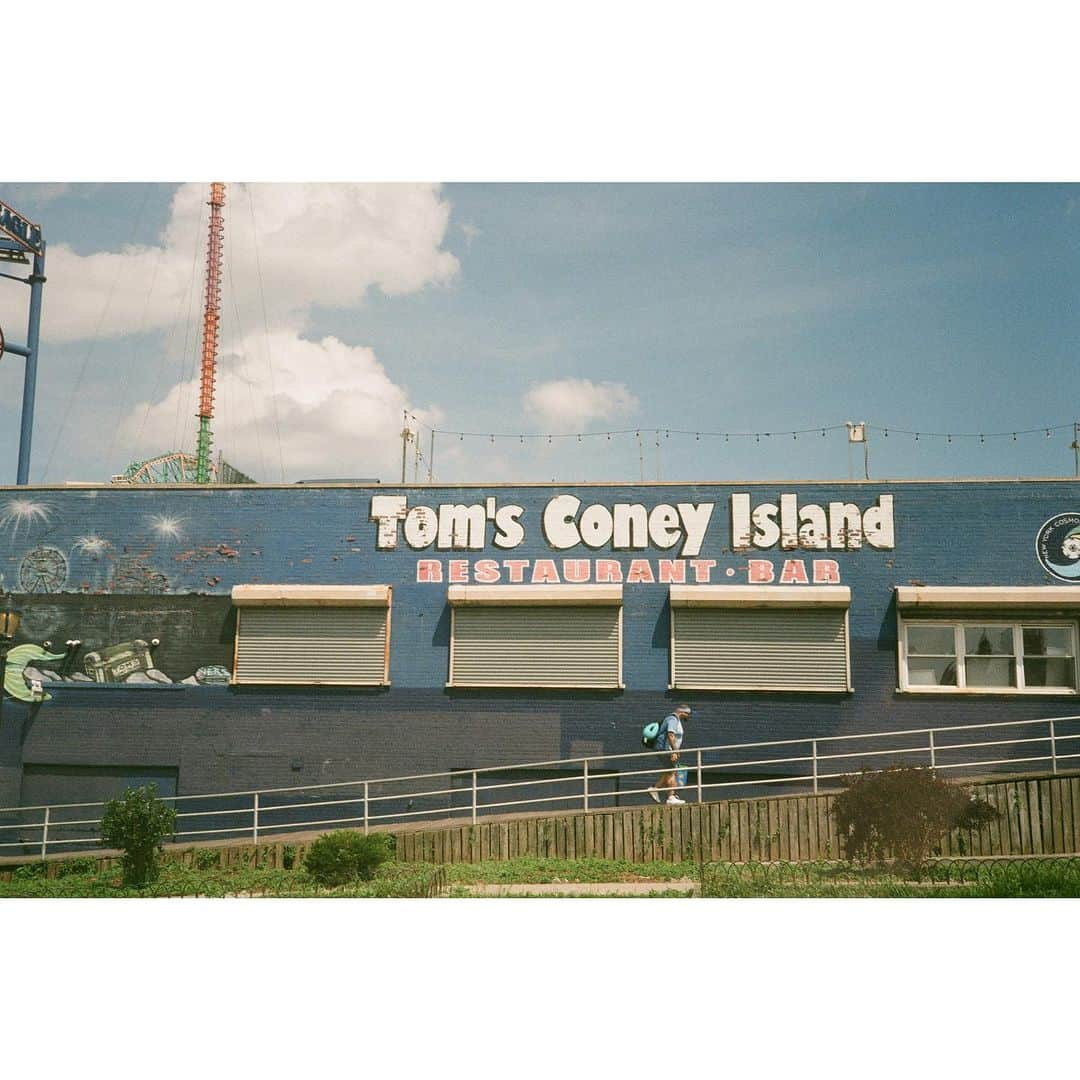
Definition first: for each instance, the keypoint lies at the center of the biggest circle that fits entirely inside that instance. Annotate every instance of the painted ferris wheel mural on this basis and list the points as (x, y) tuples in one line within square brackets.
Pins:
[(43, 570)]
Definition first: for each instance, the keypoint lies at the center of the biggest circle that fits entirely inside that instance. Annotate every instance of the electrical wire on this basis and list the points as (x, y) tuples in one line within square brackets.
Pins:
[(120, 263), (266, 330)]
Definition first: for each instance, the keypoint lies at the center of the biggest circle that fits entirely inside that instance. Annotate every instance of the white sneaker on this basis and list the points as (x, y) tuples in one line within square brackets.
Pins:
[(674, 800), (654, 794)]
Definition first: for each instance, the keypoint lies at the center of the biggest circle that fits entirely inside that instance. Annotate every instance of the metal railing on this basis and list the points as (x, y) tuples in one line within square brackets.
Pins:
[(734, 770)]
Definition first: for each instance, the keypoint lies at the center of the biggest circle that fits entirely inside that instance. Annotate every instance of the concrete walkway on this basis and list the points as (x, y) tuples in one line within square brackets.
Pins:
[(583, 888)]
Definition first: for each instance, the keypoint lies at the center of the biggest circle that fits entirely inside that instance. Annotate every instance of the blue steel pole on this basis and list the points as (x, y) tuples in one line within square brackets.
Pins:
[(26, 429)]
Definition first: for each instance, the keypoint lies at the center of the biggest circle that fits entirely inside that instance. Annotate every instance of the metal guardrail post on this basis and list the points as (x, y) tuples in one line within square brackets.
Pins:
[(1053, 749), (699, 798), (933, 752), (585, 777), (813, 755), (474, 796), (255, 819), (365, 808), (45, 833)]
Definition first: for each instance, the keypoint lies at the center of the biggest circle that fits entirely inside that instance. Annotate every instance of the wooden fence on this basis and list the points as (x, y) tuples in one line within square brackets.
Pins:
[(1038, 817)]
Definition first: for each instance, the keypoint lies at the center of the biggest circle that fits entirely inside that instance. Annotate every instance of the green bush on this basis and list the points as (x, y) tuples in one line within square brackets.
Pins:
[(346, 855), (80, 866), (207, 858), (137, 823), (903, 811)]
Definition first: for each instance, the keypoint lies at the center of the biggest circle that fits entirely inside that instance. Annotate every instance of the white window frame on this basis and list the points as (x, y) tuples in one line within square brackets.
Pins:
[(958, 624)]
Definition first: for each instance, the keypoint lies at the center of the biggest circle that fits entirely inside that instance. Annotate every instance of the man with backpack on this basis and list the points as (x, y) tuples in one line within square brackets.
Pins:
[(668, 740)]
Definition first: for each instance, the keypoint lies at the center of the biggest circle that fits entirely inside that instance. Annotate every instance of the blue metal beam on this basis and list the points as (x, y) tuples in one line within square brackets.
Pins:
[(26, 427)]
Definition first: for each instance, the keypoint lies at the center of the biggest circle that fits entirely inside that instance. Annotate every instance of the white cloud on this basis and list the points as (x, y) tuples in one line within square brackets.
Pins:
[(310, 244), (338, 412), (572, 404)]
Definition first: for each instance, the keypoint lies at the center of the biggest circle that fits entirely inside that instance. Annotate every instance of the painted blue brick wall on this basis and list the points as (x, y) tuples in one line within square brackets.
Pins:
[(153, 547)]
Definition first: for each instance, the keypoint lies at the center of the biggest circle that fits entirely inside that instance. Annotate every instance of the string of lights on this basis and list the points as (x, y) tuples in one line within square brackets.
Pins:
[(885, 431)]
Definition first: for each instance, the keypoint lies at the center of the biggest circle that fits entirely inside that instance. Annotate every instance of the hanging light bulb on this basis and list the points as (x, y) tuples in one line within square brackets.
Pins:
[(795, 436), (757, 438), (916, 436), (697, 436), (823, 433), (549, 440), (492, 440), (1014, 436), (948, 438), (579, 438), (982, 439), (886, 433), (461, 436), (1048, 433)]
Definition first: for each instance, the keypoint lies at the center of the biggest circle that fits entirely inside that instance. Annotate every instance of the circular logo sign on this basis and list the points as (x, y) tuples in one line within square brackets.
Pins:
[(1057, 546)]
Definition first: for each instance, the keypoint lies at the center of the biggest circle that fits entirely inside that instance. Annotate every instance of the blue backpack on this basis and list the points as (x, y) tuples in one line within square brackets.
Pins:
[(650, 734)]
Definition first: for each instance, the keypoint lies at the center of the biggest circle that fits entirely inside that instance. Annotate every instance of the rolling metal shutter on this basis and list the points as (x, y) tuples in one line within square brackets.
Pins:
[(719, 648), (311, 646), (562, 646)]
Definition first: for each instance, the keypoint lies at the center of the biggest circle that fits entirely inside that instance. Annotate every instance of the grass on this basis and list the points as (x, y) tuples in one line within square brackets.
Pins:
[(953, 879), (944, 878), (176, 880)]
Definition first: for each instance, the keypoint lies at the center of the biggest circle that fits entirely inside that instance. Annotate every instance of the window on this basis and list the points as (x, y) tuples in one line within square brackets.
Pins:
[(760, 637), (536, 635), (312, 635), (988, 656)]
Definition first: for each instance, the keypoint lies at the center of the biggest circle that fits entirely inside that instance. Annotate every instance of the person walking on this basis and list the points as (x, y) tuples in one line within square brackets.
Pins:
[(669, 740)]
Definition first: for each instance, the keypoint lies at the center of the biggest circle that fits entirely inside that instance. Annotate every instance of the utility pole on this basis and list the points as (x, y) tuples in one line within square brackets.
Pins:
[(406, 434), (431, 459), (1076, 448)]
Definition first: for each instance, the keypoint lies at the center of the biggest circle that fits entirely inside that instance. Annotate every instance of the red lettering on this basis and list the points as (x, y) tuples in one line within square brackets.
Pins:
[(458, 570), (486, 570), (794, 573), (640, 570), (576, 570), (517, 569), (608, 570), (759, 571), (428, 570), (826, 572), (702, 570), (544, 572), (672, 571)]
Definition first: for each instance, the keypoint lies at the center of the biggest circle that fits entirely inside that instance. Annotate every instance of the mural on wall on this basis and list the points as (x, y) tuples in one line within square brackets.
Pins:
[(22, 678), (44, 569), (126, 662), (1057, 546)]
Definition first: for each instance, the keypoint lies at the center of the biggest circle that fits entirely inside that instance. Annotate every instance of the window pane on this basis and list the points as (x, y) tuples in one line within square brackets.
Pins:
[(990, 672), (1047, 641), (931, 672), (988, 640), (1050, 673), (931, 640)]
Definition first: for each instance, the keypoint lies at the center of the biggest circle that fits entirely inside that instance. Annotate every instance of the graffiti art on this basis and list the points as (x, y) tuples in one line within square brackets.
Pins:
[(45, 569)]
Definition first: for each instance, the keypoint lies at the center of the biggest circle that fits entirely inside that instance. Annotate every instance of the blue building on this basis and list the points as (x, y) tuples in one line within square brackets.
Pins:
[(247, 637)]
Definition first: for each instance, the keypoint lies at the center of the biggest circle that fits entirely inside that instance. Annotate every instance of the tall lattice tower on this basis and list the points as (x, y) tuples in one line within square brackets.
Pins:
[(211, 322)]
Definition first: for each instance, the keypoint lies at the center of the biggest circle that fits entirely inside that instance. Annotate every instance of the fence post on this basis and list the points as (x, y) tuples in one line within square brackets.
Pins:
[(255, 819), (699, 799), (1053, 749), (45, 833), (365, 808), (933, 752), (474, 796), (586, 779)]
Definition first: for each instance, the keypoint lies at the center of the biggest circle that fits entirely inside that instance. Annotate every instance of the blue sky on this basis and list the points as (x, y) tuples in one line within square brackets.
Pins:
[(507, 308)]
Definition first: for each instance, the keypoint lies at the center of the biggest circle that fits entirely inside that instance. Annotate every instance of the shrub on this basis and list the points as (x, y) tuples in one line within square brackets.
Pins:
[(344, 856), (207, 858), (903, 811), (137, 824)]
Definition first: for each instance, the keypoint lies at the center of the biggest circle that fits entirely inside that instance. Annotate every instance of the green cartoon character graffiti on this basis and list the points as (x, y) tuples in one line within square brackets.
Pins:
[(18, 660)]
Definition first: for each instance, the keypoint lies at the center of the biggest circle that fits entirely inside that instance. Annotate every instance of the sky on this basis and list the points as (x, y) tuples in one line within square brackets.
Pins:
[(540, 312)]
